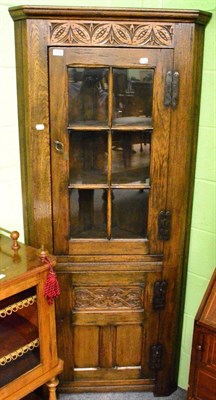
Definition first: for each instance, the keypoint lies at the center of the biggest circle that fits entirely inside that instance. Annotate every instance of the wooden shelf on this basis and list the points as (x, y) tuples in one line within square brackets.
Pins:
[(23, 336), (18, 367), (117, 127)]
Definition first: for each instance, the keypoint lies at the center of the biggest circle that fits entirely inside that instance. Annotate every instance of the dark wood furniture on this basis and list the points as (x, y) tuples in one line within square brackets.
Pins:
[(28, 351), (202, 380), (108, 115)]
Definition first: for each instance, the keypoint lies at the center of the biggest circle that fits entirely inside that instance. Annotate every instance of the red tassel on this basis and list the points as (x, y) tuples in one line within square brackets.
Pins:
[(51, 288)]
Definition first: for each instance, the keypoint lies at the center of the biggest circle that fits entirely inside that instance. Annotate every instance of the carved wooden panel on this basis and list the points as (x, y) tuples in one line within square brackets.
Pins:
[(111, 34), (111, 297)]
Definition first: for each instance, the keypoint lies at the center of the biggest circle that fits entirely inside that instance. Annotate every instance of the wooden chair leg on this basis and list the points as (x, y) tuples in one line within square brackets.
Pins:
[(52, 384)]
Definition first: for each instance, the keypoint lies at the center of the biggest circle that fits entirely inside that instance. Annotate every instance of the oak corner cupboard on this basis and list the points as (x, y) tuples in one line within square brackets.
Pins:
[(108, 116), (28, 351)]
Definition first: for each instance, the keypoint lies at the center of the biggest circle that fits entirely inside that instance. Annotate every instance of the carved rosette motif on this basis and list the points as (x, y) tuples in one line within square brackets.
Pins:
[(111, 34), (108, 298)]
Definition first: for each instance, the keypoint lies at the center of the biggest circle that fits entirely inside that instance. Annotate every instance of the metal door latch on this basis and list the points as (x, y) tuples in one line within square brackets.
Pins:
[(171, 92)]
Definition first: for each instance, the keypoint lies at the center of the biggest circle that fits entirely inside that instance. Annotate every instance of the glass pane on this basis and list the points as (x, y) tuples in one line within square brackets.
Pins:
[(19, 335), (129, 213), (131, 157), (133, 92), (88, 157), (87, 95), (88, 210)]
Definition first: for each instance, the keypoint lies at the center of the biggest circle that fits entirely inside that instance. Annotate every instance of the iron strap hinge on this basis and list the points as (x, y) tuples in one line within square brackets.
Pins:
[(171, 92), (155, 357), (164, 225), (159, 295)]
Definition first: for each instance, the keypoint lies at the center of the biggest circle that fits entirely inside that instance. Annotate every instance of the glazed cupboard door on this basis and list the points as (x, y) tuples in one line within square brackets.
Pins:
[(110, 143)]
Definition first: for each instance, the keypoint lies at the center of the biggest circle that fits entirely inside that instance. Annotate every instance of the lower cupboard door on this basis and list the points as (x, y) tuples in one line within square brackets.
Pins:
[(108, 330)]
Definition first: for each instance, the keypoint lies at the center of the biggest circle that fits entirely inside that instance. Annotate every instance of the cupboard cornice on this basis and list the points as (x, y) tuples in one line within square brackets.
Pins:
[(161, 15)]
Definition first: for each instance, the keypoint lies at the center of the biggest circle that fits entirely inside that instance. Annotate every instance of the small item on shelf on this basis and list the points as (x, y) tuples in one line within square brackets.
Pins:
[(14, 236), (51, 289)]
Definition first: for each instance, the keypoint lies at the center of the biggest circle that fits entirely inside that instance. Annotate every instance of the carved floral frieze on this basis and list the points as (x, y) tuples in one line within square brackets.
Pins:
[(111, 34), (108, 298)]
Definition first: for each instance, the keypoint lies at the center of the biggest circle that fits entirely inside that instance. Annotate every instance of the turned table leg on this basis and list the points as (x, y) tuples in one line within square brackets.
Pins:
[(52, 384)]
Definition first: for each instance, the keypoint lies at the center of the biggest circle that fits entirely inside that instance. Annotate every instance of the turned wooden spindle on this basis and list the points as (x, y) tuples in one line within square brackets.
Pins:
[(15, 236), (52, 384)]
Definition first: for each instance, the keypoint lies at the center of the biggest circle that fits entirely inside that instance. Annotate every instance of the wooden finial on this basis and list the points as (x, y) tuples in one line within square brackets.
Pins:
[(43, 253), (15, 236)]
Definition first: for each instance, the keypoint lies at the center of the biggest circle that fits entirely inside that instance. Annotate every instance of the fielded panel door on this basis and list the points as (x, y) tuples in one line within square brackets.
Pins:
[(110, 143)]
